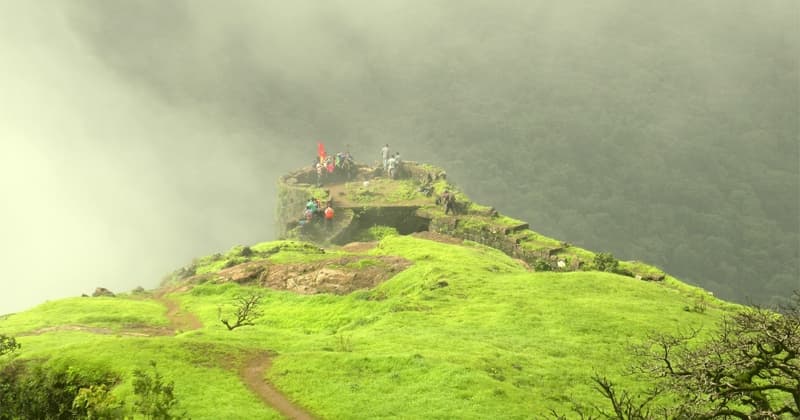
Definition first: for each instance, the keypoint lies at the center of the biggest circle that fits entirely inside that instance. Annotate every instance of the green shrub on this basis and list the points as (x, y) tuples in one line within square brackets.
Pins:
[(34, 390), (155, 397), (8, 344), (700, 305), (605, 261), (542, 265), (97, 402)]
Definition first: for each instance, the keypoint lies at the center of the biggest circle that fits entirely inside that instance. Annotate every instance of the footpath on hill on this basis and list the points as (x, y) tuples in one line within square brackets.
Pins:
[(178, 320), (252, 371)]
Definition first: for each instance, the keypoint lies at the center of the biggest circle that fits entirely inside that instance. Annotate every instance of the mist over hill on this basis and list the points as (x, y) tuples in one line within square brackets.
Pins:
[(145, 134)]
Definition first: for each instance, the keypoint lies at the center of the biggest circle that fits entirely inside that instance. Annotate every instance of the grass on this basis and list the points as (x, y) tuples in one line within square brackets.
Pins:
[(465, 332), (203, 388), (639, 267), (508, 221), (276, 251), (532, 240), (115, 313), (382, 190), (377, 232)]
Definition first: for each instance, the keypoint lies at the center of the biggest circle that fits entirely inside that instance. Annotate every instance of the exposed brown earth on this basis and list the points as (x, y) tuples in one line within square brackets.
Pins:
[(252, 373), (359, 246), (438, 237), (179, 320), (338, 276), (131, 332)]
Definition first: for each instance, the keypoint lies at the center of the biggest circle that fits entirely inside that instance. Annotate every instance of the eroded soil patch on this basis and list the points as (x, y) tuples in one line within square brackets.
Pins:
[(252, 373), (179, 320), (438, 237), (130, 332), (358, 247), (338, 275)]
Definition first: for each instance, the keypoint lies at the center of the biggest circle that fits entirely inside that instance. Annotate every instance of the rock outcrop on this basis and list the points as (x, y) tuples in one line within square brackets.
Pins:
[(338, 276), (102, 291), (368, 199)]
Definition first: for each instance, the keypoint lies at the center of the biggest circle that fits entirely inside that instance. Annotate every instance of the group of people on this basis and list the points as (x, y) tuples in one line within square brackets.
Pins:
[(315, 211), (327, 165), (391, 162)]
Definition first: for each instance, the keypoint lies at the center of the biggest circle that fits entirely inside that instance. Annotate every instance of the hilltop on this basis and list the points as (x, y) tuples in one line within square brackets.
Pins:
[(399, 310), (409, 203)]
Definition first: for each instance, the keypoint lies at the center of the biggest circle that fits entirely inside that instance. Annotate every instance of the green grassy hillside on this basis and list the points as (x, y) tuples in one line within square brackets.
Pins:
[(463, 332)]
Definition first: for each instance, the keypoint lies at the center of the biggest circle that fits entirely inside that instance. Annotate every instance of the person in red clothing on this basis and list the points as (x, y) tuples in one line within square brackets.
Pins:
[(329, 217)]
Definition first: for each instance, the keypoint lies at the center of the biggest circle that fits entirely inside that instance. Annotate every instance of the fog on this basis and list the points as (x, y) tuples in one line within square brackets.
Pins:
[(106, 183), (138, 135)]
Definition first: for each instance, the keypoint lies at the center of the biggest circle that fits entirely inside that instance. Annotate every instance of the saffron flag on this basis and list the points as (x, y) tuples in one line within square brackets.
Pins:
[(321, 152)]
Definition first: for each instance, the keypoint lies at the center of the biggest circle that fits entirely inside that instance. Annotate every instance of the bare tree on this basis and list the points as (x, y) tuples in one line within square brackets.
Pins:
[(246, 311), (749, 369), (624, 406)]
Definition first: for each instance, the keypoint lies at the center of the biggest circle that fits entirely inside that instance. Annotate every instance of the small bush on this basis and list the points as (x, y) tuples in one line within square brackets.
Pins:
[(35, 390), (542, 265), (8, 344), (97, 402), (605, 261), (155, 397), (699, 306)]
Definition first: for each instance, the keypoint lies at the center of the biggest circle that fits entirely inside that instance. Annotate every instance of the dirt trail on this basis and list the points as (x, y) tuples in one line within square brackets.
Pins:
[(179, 320), (129, 332), (252, 374)]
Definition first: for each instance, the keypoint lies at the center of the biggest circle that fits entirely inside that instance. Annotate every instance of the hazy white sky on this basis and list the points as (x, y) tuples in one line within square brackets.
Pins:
[(102, 183)]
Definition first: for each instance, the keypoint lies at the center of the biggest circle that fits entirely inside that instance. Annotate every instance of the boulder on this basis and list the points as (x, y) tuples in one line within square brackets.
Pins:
[(102, 291), (659, 276), (244, 273)]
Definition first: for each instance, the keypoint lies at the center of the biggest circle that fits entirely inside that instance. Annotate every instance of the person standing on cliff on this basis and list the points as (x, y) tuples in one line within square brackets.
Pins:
[(397, 166), (391, 164), (385, 157), (449, 202), (318, 167)]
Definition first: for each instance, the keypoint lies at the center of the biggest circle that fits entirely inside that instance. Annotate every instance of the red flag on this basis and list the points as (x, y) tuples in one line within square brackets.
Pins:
[(321, 151)]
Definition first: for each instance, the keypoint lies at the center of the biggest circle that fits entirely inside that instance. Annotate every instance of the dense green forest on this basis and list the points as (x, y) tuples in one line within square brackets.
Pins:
[(659, 131)]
